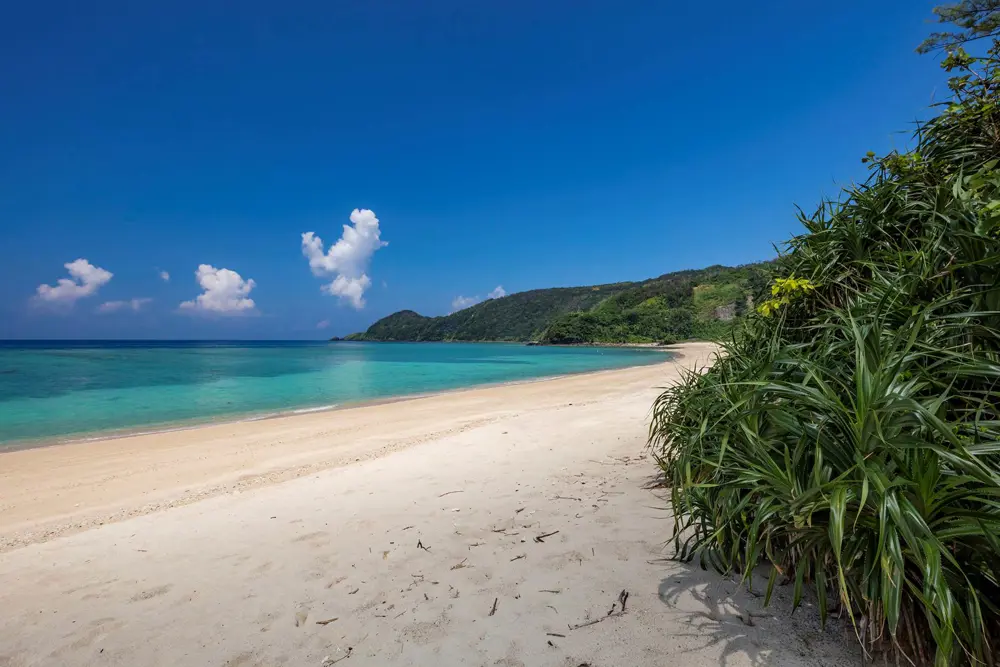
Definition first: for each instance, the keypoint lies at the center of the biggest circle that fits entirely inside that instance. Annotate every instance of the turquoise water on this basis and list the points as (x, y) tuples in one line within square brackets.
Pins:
[(52, 391)]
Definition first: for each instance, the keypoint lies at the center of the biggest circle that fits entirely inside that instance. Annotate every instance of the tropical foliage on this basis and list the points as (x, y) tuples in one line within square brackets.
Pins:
[(849, 433), (679, 306)]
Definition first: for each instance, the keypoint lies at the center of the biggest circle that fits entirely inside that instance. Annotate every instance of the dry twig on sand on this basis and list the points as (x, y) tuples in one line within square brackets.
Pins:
[(327, 661), (622, 599)]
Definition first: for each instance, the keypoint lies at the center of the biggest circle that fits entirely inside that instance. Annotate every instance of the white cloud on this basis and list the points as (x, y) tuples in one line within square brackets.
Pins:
[(348, 258), (85, 279), (226, 292), (164, 276), (132, 304), (350, 289), (463, 302), (323, 324)]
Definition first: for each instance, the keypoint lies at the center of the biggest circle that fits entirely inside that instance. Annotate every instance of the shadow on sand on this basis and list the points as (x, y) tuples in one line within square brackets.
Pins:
[(715, 615), (726, 618)]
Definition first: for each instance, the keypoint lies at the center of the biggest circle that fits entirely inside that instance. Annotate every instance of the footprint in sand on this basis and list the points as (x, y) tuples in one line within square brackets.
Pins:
[(245, 659), (317, 539), (265, 619), (92, 596), (237, 559), (98, 630), (262, 568), (95, 584), (559, 561), (512, 658), (151, 593), (424, 632)]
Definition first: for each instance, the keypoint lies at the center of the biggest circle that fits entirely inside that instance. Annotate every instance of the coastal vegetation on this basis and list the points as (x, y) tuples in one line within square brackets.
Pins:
[(848, 435), (693, 304), (702, 305)]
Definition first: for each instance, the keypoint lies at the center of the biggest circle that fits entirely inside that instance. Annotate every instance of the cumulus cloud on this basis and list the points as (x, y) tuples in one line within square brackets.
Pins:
[(347, 260), (463, 302), (164, 276), (351, 290), (85, 279), (322, 324), (225, 292), (132, 304)]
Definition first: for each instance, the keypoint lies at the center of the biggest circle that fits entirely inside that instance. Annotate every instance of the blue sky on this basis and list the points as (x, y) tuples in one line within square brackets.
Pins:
[(516, 144)]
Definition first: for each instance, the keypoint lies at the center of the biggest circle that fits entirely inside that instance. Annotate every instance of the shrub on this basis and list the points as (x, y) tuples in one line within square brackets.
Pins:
[(849, 434)]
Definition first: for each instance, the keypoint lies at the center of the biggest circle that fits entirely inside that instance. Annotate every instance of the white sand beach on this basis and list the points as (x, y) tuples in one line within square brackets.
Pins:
[(408, 533)]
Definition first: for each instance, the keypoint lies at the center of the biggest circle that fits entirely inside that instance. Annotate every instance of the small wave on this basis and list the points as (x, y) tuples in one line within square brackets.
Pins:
[(115, 435), (321, 408), (257, 418)]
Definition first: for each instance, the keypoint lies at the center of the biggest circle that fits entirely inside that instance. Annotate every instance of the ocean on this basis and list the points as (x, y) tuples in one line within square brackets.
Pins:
[(56, 391)]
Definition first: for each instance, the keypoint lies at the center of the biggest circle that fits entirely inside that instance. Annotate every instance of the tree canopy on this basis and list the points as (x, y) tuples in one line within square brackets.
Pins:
[(974, 19)]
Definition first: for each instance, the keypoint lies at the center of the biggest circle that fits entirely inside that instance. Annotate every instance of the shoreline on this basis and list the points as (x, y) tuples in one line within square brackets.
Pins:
[(525, 343), (491, 526), (84, 437), (65, 488), (656, 347)]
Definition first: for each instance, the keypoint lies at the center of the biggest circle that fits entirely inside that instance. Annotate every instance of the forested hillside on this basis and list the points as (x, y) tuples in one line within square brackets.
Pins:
[(701, 303)]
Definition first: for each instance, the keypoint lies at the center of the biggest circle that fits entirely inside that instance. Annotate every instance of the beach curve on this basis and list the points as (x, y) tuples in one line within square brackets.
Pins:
[(487, 526)]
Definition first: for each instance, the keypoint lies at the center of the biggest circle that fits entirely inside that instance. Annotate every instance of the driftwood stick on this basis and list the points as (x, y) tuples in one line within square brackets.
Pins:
[(622, 599), (595, 621)]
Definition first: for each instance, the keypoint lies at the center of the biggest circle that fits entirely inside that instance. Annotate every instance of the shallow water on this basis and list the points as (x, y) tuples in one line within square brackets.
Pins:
[(60, 390)]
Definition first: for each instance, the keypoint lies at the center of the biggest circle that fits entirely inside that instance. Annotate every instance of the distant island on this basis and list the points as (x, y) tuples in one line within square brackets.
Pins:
[(701, 304)]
